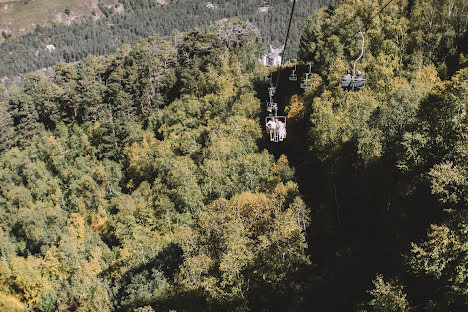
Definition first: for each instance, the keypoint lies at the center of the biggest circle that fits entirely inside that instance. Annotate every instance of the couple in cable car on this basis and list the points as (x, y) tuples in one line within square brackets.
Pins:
[(351, 82), (277, 129)]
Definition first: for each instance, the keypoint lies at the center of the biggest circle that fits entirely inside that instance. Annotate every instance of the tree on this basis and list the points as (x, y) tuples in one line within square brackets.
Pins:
[(386, 297), (6, 35), (252, 240), (6, 126), (24, 113)]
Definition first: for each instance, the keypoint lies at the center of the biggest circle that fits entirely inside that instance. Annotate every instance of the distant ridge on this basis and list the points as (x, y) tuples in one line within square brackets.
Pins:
[(143, 18)]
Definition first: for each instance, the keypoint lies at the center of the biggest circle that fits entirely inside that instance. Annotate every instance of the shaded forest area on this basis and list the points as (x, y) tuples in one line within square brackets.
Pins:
[(144, 180), (144, 18), (383, 170)]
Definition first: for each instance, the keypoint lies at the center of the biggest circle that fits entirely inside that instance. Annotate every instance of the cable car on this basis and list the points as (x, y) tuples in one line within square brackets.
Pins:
[(271, 91), (270, 78), (271, 106), (355, 82), (276, 127), (293, 76), (306, 82), (349, 82)]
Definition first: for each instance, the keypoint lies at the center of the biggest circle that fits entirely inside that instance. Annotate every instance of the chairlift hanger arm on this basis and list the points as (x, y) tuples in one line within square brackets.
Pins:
[(360, 56)]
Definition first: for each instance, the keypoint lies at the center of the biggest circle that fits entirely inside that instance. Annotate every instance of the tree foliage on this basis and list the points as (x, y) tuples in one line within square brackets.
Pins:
[(113, 168), (405, 132), (140, 181), (144, 18)]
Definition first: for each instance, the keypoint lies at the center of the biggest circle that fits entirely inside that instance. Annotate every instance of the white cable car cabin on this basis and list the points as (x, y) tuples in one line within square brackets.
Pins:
[(276, 127)]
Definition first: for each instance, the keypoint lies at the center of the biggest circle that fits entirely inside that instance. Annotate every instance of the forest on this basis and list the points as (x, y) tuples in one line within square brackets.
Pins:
[(143, 180), (144, 18)]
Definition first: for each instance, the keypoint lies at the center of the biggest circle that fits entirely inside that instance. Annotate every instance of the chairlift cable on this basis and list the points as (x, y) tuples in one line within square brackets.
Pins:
[(286, 41), (383, 8), (279, 132), (374, 16)]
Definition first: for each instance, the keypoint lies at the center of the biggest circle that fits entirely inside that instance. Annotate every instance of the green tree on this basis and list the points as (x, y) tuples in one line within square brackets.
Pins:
[(386, 297), (6, 124)]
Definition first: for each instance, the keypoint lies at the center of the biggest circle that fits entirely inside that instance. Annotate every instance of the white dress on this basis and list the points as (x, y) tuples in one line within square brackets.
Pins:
[(271, 125), (281, 131)]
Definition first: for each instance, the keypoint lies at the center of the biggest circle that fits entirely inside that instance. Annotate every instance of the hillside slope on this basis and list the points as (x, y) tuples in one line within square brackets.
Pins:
[(18, 16), (143, 180), (144, 18)]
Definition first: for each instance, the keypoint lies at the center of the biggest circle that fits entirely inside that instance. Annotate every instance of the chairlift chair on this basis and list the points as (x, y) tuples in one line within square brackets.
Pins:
[(306, 82), (293, 76), (270, 78), (280, 134), (271, 106), (349, 82), (271, 91), (354, 82)]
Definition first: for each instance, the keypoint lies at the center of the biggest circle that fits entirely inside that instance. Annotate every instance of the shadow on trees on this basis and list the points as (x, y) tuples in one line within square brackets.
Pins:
[(361, 221), (167, 262)]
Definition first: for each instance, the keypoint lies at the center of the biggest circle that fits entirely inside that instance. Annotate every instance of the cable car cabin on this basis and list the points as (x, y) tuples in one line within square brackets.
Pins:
[(349, 82), (271, 106), (276, 128)]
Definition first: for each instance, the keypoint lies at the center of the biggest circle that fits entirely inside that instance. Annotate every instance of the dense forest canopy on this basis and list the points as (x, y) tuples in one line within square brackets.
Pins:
[(119, 174), (142, 180), (144, 18), (393, 155)]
